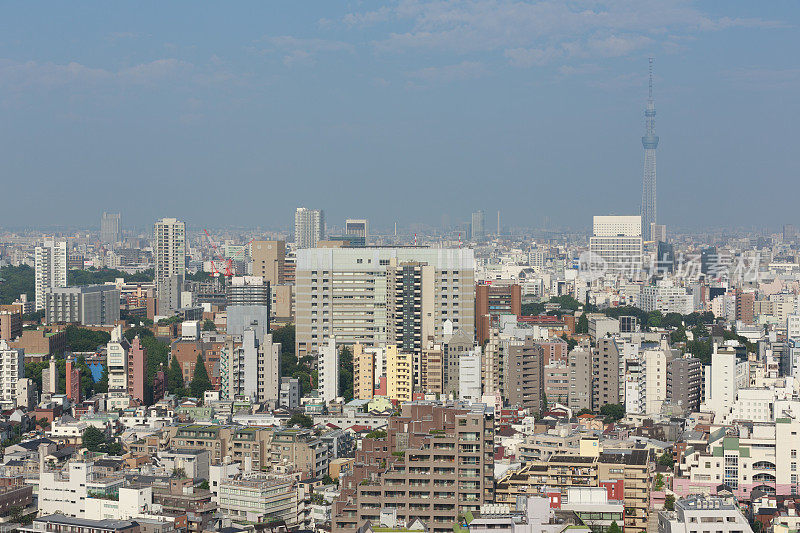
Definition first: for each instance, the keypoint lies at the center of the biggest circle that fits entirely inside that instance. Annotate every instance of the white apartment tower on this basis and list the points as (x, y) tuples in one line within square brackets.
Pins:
[(12, 369), (617, 241), (169, 255), (117, 361), (252, 368), (309, 227), (51, 269), (347, 293), (328, 370)]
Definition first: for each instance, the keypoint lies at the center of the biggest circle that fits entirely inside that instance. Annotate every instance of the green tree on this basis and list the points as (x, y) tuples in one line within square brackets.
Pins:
[(582, 325), (208, 325), (666, 459), (669, 502), (102, 384), (346, 373), (175, 382), (614, 528), (299, 419), (532, 309), (654, 319), (85, 340), (613, 411), (659, 481), (200, 382), (93, 439), (16, 281)]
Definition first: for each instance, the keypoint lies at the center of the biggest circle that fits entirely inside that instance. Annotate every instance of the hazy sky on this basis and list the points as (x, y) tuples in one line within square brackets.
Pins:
[(237, 112)]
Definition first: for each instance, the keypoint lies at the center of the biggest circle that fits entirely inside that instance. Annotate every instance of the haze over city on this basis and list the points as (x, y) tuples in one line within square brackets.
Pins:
[(232, 114), (416, 266)]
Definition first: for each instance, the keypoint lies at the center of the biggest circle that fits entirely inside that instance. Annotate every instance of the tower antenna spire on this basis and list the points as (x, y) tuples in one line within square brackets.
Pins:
[(649, 143)]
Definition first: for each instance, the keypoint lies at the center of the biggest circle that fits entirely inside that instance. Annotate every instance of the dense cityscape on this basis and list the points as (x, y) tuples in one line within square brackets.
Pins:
[(352, 375)]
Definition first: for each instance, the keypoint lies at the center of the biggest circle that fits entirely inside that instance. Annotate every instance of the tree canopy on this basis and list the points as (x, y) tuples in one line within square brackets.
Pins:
[(200, 381), (16, 281), (299, 419)]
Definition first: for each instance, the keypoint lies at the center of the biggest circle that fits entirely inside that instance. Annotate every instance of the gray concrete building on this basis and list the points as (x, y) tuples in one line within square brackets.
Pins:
[(89, 305)]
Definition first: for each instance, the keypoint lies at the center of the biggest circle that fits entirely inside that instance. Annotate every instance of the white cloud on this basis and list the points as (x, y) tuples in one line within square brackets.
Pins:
[(529, 57), (763, 78), (540, 32), (299, 51), (465, 70)]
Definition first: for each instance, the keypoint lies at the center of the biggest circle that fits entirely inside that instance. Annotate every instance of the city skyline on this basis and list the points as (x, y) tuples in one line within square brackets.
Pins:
[(318, 107)]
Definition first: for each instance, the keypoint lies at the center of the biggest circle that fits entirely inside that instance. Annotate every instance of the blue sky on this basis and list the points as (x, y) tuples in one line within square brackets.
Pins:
[(236, 113)]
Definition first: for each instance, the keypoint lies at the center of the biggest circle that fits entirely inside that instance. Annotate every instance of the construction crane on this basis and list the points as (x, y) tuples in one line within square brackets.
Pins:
[(226, 263)]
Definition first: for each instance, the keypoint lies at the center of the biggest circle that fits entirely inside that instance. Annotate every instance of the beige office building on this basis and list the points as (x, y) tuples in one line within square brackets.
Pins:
[(268, 259), (346, 292)]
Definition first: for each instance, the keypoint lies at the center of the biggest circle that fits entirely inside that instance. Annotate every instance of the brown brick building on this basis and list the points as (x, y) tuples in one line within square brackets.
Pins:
[(491, 301), (435, 463)]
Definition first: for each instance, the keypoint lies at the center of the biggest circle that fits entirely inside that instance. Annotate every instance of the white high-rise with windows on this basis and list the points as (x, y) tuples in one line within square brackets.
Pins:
[(346, 292), (169, 256), (328, 370), (12, 369), (309, 227), (617, 241), (51, 269)]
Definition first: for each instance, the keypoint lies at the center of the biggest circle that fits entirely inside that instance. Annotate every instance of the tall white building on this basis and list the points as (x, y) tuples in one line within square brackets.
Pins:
[(469, 376), (117, 361), (309, 227), (344, 292), (51, 269), (328, 370), (12, 369), (667, 298), (617, 240), (169, 256), (251, 369), (721, 382)]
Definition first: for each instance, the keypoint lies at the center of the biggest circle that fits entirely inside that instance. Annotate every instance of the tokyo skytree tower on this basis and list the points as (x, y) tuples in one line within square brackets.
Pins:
[(649, 142)]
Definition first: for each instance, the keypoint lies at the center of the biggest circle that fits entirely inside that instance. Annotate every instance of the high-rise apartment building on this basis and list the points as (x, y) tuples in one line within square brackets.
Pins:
[(344, 292), (109, 228), (269, 258), (617, 243), (435, 465), (356, 231), (524, 375), (51, 269), (363, 373), (117, 351), (684, 383), (328, 370), (399, 374), (606, 374), (169, 257), (478, 227), (250, 366), (409, 304), (50, 378), (73, 381), (581, 380), (491, 301), (13, 370), (137, 368), (309, 227)]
